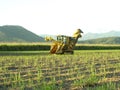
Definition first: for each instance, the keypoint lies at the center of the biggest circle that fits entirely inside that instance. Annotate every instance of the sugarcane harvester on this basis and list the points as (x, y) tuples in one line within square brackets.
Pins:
[(64, 44)]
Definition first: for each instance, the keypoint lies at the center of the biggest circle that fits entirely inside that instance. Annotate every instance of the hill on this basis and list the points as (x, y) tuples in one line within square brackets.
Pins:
[(89, 36), (106, 40), (12, 33), (100, 35)]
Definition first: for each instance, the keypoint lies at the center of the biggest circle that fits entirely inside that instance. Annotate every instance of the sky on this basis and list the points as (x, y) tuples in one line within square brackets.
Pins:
[(61, 16)]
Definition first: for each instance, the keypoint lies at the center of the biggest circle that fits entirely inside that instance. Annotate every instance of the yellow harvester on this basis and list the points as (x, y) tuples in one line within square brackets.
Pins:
[(64, 44)]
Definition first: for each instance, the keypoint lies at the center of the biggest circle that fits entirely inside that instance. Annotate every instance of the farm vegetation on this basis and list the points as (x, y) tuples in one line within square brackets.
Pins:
[(38, 70), (44, 46)]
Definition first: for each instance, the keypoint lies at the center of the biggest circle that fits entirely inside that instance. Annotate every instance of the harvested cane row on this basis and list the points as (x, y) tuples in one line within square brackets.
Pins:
[(79, 71)]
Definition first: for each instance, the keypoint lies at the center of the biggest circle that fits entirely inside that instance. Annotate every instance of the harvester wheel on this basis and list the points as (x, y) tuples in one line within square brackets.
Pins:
[(72, 52)]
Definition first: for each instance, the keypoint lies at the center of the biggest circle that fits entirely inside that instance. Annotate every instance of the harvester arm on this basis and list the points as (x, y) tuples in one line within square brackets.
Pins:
[(75, 38), (49, 39), (54, 46)]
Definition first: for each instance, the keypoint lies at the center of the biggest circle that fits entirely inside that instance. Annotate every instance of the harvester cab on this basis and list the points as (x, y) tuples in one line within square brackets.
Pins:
[(64, 44)]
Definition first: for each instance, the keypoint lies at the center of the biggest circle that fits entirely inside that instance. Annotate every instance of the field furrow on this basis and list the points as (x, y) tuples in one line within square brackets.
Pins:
[(84, 70)]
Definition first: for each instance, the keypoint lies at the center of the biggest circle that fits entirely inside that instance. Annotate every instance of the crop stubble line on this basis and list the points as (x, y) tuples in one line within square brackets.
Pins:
[(46, 69)]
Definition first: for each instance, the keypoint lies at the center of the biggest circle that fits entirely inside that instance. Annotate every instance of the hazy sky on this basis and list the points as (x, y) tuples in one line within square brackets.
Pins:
[(61, 16)]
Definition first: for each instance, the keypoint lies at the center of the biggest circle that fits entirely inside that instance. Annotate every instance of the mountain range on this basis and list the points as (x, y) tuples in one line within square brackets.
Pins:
[(105, 40), (112, 37), (14, 33), (88, 36)]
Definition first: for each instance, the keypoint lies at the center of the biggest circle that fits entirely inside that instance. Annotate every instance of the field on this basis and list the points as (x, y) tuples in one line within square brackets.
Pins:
[(38, 70)]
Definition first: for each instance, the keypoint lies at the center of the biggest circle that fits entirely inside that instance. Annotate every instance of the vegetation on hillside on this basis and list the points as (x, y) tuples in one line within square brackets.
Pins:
[(100, 35), (107, 40), (89, 36), (11, 33)]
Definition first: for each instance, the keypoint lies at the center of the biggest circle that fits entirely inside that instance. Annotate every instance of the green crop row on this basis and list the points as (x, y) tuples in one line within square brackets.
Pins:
[(32, 47), (97, 47), (23, 47)]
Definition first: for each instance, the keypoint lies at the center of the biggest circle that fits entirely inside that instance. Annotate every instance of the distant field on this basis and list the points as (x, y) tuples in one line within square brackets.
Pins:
[(46, 46), (38, 70)]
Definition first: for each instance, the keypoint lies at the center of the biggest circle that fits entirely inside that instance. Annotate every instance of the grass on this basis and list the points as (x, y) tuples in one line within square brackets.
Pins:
[(38, 70)]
